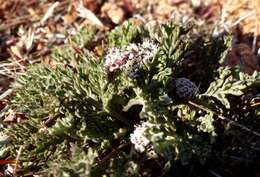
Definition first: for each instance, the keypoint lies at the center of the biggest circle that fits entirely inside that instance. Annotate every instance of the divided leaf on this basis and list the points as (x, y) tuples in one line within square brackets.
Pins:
[(229, 82)]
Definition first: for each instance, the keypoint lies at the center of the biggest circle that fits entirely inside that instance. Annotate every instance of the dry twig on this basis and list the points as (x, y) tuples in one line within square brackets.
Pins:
[(17, 159)]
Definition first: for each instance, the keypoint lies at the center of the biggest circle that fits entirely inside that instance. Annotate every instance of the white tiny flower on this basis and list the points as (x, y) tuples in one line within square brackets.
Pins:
[(138, 137), (133, 47), (129, 57)]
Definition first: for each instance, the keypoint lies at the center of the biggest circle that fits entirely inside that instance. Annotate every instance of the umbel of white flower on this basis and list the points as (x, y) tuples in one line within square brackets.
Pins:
[(129, 57), (138, 138)]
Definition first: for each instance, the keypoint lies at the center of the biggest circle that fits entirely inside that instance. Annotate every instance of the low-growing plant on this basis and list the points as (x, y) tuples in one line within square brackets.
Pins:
[(158, 101)]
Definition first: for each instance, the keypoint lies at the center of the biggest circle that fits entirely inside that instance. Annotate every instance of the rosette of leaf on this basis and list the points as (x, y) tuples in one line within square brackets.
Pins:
[(85, 106)]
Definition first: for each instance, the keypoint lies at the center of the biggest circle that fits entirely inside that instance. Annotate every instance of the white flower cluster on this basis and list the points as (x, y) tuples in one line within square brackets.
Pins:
[(138, 138), (129, 57)]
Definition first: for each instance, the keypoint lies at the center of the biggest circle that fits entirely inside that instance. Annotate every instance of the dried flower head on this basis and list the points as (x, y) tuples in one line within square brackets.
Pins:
[(129, 57), (185, 88)]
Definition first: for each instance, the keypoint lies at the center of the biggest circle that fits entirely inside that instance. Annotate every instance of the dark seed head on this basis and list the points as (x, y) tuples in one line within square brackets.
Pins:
[(185, 88)]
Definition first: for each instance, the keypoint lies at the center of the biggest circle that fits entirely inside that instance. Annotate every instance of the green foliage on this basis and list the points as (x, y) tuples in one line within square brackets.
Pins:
[(81, 116), (78, 165), (69, 53), (172, 43), (206, 124), (4, 141), (124, 34), (229, 83)]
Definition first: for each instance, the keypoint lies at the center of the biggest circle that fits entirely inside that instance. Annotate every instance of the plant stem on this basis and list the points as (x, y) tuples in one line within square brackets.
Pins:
[(112, 153), (224, 118)]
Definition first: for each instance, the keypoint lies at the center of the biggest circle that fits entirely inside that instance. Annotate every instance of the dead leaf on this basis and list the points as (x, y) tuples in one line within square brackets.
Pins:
[(49, 12), (13, 117), (48, 61), (88, 14), (2, 104), (163, 11), (114, 12), (27, 38), (71, 16), (128, 6), (247, 10), (10, 117), (92, 5), (99, 50), (178, 2), (16, 52)]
